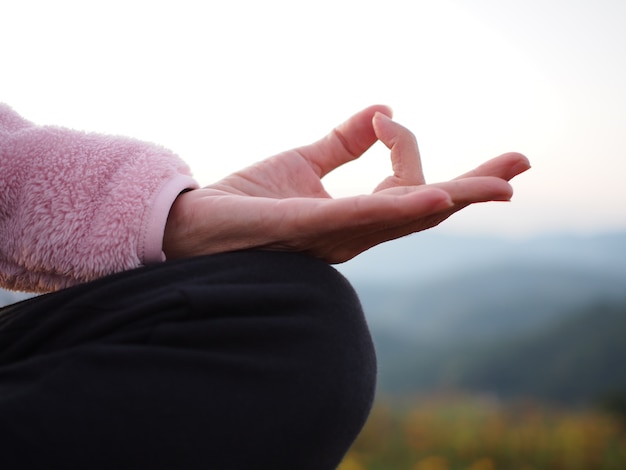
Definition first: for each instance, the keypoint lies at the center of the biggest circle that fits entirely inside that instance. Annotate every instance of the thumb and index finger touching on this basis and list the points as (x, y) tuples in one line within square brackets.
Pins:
[(351, 139), (346, 142)]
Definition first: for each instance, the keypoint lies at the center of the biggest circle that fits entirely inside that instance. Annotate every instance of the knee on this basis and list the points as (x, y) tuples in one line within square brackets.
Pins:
[(308, 324), (336, 353), (292, 332)]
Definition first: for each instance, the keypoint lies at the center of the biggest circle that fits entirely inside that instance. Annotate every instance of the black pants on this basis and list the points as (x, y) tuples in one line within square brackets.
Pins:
[(251, 360)]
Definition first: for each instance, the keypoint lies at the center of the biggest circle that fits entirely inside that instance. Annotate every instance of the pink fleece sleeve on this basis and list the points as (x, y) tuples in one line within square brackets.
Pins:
[(76, 206)]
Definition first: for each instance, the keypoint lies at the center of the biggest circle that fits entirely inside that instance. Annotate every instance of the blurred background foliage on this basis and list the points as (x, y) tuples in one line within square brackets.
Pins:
[(479, 433)]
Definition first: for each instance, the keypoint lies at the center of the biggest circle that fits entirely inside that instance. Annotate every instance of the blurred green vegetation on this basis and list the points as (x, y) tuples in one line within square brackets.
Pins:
[(577, 360), (480, 433)]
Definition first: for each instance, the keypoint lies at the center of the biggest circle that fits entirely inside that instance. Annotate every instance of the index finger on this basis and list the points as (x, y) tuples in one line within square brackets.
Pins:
[(344, 143), (405, 155)]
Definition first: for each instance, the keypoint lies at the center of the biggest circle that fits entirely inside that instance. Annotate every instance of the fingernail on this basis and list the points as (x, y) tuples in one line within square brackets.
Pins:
[(445, 204), (379, 115)]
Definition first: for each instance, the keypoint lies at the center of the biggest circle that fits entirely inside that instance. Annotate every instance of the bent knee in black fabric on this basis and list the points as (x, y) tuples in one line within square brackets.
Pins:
[(241, 360)]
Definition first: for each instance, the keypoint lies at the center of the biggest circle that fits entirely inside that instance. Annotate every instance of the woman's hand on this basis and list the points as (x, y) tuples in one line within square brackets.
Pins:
[(281, 204)]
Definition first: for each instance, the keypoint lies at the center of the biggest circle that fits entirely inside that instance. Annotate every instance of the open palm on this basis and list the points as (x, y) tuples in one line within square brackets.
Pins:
[(281, 204)]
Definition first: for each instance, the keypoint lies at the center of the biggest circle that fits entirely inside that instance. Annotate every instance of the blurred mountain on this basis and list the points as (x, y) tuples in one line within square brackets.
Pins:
[(436, 288), (580, 359), (436, 303), (432, 254)]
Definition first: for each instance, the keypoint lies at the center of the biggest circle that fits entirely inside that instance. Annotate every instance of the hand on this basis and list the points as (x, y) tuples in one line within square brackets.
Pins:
[(280, 203)]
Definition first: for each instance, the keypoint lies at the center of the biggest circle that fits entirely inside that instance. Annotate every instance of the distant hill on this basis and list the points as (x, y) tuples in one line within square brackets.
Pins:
[(433, 254), (440, 288), (441, 308), (502, 299), (580, 359)]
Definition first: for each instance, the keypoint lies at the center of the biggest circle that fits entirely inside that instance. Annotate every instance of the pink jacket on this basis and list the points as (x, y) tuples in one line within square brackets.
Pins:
[(76, 206)]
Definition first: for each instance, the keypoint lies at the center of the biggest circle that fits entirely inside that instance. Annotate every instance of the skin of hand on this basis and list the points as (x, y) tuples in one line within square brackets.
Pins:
[(280, 203)]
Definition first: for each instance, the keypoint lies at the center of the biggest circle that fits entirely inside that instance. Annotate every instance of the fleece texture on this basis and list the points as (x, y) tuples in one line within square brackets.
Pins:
[(77, 206)]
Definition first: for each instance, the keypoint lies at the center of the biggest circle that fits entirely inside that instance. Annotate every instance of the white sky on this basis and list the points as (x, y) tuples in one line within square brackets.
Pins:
[(225, 84)]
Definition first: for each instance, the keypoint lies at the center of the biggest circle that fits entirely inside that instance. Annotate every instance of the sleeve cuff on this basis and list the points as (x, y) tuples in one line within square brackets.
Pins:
[(150, 247)]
